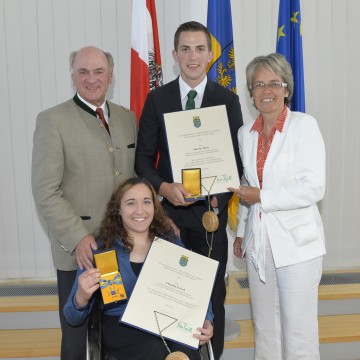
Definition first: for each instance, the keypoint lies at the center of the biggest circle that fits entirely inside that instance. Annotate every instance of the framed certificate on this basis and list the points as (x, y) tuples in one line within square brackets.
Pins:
[(201, 138), (172, 293)]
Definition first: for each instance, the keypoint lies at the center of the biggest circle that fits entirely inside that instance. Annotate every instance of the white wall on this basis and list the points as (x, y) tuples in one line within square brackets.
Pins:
[(36, 37)]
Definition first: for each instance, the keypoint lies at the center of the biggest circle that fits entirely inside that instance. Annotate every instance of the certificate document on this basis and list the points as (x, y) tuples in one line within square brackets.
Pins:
[(172, 293), (201, 138)]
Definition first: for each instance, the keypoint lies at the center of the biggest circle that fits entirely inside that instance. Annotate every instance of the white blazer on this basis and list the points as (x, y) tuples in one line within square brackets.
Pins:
[(293, 182)]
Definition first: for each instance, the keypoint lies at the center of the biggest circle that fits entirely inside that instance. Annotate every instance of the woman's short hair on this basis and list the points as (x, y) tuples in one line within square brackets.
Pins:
[(276, 63)]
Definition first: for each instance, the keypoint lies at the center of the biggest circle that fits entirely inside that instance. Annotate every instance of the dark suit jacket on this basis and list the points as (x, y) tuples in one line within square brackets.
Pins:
[(152, 135)]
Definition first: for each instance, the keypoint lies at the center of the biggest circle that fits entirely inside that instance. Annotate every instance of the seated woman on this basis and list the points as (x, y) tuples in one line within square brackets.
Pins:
[(134, 217)]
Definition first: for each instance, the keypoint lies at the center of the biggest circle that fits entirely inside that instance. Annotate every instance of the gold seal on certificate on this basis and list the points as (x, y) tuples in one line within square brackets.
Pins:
[(177, 355), (210, 221)]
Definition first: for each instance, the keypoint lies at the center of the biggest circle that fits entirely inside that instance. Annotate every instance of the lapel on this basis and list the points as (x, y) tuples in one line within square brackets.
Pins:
[(173, 99), (169, 99), (252, 172), (276, 145), (209, 94), (118, 128), (90, 120), (79, 103)]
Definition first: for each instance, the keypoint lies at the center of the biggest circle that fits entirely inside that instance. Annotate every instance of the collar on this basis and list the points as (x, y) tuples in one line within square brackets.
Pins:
[(279, 125), (118, 242), (90, 108), (185, 88)]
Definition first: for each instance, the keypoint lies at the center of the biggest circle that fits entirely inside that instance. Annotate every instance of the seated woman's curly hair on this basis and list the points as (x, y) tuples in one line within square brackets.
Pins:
[(112, 225)]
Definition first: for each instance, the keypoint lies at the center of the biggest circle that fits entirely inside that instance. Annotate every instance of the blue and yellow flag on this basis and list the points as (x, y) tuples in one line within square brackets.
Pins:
[(222, 67), (219, 23), (289, 43)]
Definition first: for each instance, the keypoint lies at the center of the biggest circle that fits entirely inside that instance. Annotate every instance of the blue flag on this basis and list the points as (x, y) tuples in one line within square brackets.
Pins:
[(289, 43), (219, 22), (222, 67)]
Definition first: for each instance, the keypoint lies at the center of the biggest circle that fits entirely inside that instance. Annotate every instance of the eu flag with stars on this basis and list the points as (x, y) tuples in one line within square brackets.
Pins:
[(289, 44), (219, 23)]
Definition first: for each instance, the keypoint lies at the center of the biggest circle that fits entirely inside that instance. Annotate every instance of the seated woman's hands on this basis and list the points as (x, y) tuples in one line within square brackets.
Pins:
[(88, 283), (206, 332)]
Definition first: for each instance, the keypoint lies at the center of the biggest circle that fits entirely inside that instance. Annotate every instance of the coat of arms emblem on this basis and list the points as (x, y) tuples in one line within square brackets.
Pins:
[(183, 260), (197, 121)]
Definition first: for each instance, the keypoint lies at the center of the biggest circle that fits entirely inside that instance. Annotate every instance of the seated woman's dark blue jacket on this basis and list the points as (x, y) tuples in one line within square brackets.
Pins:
[(76, 316)]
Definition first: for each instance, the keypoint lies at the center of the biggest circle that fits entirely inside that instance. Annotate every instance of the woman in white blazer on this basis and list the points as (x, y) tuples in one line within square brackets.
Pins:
[(280, 230)]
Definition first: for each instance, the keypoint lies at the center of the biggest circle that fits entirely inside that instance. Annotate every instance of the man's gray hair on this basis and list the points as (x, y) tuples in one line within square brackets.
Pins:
[(108, 55)]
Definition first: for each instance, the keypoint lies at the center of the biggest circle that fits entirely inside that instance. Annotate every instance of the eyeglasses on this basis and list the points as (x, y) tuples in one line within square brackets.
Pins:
[(271, 85)]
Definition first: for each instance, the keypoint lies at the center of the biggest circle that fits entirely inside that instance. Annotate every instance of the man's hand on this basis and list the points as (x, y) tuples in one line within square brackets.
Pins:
[(206, 332), (88, 283), (174, 193), (83, 252)]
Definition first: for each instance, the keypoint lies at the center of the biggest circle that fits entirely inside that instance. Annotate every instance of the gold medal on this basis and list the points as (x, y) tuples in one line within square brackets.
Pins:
[(210, 221), (177, 355)]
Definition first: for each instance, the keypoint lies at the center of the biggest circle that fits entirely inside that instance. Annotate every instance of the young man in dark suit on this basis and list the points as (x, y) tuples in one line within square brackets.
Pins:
[(192, 50)]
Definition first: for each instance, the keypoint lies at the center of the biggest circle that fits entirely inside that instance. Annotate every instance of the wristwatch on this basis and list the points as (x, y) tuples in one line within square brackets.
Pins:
[(161, 198)]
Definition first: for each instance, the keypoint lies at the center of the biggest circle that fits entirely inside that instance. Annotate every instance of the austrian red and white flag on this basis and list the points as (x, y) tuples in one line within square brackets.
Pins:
[(146, 73)]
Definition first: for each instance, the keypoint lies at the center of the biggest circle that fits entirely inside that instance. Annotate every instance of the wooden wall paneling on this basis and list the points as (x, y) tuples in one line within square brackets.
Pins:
[(54, 89), (19, 137), (9, 265), (61, 39), (335, 148), (36, 37), (351, 126), (46, 50), (16, 134), (309, 30), (93, 20), (245, 31), (122, 40), (320, 104), (28, 91), (77, 34), (109, 42), (171, 22)]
